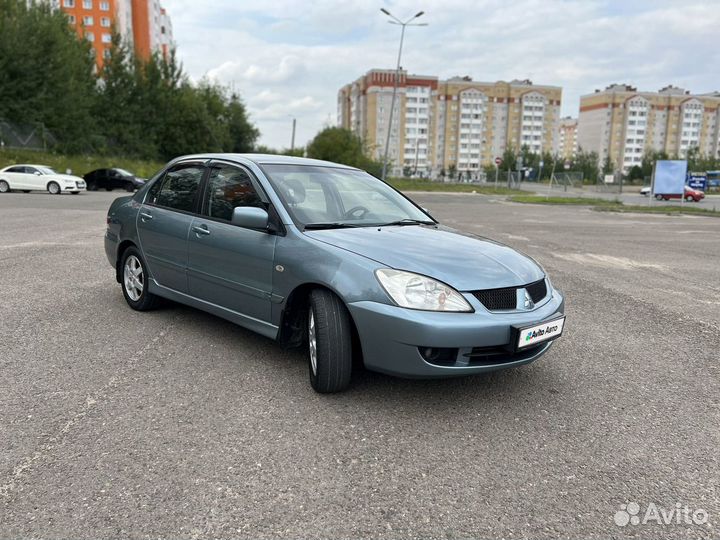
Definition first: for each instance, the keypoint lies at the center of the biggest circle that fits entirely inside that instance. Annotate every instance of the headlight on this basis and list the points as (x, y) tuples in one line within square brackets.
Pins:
[(419, 292)]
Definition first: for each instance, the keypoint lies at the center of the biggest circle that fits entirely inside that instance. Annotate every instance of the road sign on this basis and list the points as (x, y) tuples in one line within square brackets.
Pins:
[(697, 181), (498, 161)]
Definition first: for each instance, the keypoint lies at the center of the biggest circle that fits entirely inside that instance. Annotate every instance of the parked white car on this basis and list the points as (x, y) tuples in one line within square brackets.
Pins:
[(39, 177)]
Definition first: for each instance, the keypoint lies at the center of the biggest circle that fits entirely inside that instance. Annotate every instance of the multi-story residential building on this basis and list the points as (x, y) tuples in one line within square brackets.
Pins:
[(567, 138), (144, 24), (443, 124), (622, 123)]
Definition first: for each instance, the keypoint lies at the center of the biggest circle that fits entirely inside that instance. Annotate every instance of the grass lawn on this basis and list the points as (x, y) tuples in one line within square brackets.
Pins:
[(605, 205), (412, 184), (583, 201), (78, 164)]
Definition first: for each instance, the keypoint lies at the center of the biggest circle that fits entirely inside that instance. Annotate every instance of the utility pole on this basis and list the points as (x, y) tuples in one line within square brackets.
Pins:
[(403, 25), (292, 140)]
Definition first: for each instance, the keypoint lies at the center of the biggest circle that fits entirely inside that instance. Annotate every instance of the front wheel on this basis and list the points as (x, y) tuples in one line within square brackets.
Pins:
[(659, 197), (54, 188), (129, 186), (4, 187), (329, 338), (689, 198), (135, 281)]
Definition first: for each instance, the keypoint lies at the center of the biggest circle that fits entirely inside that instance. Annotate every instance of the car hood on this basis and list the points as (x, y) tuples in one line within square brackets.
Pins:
[(461, 260)]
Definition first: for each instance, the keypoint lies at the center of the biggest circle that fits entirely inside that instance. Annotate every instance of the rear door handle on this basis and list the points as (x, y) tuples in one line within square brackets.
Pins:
[(145, 216), (200, 229)]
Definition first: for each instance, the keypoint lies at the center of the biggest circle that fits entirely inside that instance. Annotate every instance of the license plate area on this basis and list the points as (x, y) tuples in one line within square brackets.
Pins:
[(523, 337)]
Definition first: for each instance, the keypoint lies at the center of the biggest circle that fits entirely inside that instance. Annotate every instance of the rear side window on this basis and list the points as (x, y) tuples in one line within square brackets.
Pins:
[(178, 188), (16, 169), (228, 188)]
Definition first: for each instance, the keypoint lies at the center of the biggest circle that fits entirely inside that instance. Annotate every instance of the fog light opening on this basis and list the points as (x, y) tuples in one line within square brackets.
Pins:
[(439, 355)]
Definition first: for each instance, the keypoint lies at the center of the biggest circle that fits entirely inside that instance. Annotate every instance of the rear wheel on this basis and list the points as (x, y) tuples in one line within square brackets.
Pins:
[(26, 191), (129, 187), (659, 197), (4, 187), (53, 188), (134, 281), (329, 338), (91, 186), (689, 198)]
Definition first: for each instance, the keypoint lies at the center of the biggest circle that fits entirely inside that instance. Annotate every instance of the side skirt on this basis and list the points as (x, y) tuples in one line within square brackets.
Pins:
[(256, 325)]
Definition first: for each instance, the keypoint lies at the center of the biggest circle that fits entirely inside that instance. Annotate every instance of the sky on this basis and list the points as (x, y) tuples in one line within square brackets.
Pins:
[(288, 59)]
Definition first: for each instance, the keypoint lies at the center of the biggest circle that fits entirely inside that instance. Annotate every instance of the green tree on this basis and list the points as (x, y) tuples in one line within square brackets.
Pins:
[(46, 72), (342, 146), (587, 164)]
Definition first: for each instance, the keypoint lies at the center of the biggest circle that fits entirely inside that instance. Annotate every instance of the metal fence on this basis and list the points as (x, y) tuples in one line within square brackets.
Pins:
[(33, 136)]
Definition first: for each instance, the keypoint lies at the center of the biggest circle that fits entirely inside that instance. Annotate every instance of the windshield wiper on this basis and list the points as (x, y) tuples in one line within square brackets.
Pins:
[(330, 225), (407, 221)]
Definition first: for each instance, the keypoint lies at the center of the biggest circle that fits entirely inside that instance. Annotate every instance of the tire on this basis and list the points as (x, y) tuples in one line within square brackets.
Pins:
[(4, 186), (26, 191), (129, 186), (91, 186), (666, 198), (108, 189), (689, 198), (329, 339), (134, 284), (75, 192), (53, 188), (659, 197)]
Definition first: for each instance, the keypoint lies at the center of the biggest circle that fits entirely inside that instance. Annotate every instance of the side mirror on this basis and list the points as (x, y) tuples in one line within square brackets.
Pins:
[(37, 173), (250, 217)]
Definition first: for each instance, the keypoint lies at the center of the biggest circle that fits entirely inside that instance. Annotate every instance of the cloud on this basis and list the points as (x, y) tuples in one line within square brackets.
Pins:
[(288, 58)]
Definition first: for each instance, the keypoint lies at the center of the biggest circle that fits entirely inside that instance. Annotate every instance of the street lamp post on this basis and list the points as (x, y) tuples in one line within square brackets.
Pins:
[(403, 25)]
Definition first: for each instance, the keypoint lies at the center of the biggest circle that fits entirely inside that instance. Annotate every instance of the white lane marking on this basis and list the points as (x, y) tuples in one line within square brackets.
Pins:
[(48, 244), (515, 237)]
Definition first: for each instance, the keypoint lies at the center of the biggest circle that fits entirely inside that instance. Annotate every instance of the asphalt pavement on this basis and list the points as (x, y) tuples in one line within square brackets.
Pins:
[(177, 424)]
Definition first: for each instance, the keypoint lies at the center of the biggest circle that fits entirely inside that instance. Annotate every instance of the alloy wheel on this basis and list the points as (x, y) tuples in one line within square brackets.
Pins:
[(312, 342), (133, 278)]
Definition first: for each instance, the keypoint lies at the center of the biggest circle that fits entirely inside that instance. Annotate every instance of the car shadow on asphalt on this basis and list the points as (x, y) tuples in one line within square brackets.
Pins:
[(368, 386)]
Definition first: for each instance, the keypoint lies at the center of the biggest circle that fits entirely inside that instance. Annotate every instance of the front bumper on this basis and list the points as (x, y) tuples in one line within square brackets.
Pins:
[(392, 337), (73, 186)]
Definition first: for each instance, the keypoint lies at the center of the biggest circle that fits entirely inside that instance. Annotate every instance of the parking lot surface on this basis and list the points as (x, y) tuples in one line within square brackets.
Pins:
[(178, 424)]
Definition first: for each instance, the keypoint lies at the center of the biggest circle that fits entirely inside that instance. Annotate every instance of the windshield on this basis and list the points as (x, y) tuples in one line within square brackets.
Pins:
[(46, 170), (317, 196), (123, 172)]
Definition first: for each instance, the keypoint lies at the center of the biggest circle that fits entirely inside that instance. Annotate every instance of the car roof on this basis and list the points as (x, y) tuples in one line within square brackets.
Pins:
[(28, 165), (267, 159)]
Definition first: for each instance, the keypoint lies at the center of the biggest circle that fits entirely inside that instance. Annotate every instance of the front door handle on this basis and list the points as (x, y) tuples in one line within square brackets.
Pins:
[(200, 229), (145, 216)]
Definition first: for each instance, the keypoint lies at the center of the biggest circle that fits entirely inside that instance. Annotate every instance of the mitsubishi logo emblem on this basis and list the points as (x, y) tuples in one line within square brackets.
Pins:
[(528, 301)]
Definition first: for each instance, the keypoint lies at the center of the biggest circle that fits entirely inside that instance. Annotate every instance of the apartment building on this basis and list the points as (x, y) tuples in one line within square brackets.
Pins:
[(567, 138), (144, 24), (624, 123), (456, 123)]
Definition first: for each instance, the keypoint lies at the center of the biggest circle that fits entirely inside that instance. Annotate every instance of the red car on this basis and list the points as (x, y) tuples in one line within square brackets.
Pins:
[(690, 195)]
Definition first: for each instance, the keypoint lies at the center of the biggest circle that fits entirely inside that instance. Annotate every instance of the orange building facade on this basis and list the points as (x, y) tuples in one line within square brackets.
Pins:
[(143, 24)]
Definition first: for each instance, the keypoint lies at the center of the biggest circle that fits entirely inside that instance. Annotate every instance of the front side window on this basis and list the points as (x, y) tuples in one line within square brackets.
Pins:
[(178, 188), (327, 195), (228, 188)]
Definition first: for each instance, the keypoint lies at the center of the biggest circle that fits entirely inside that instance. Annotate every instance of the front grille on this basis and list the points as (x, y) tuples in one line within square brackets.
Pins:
[(537, 290), (497, 299), (506, 299)]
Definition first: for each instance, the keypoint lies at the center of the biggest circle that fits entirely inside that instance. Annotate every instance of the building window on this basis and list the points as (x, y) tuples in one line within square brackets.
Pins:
[(69, 3), (90, 36), (88, 21), (105, 22), (87, 4), (106, 38), (104, 6), (72, 19)]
